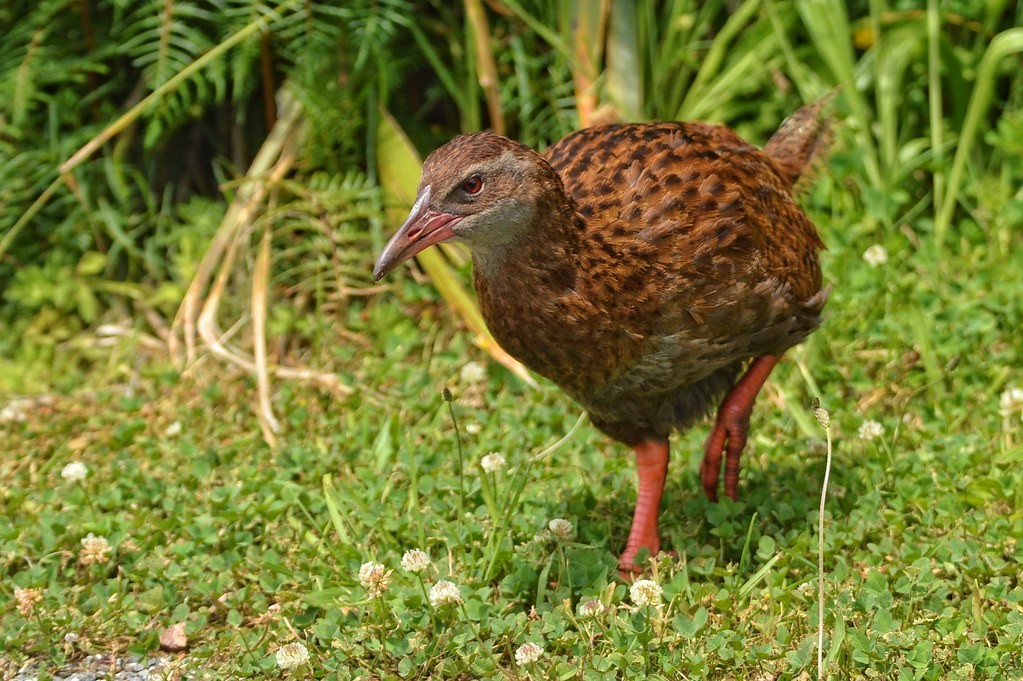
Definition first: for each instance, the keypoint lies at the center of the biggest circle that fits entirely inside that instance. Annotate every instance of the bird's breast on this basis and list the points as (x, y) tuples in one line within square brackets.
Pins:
[(560, 336)]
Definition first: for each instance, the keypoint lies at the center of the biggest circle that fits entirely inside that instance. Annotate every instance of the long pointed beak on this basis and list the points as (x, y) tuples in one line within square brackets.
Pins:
[(421, 229)]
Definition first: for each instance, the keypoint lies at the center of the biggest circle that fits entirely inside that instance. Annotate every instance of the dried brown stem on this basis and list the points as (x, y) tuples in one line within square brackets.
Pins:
[(486, 70)]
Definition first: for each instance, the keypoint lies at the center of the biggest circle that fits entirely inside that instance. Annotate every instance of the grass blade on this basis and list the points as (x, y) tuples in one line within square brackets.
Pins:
[(624, 75), (747, 587), (589, 20), (934, 100), (1003, 44), (829, 30), (340, 522), (711, 67)]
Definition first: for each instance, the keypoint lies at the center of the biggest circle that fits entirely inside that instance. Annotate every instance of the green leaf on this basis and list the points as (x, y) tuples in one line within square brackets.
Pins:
[(334, 509), (383, 448), (689, 627), (91, 263), (88, 306), (921, 655), (837, 639), (624, 74)]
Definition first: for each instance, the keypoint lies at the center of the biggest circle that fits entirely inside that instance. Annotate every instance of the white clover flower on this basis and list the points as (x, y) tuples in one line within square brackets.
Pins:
[(74, 471), (70, 637), (1011, 401), (591, 608), (528, 654), (415, 560), (876, 255), (561, 529), (646, 592), (870, 430), (493, 462), (473, 428), (15, 410), (444, 593), (473, 373), (27, 599), (173, 429), (370, 573), (94, 550), (374, 578), (292, 655)]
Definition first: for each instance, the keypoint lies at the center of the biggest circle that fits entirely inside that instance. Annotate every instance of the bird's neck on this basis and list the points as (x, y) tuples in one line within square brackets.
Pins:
[(544, 256), (527, 294)]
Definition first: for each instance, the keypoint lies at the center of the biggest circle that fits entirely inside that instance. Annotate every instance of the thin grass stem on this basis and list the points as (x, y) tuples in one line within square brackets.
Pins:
[(461, 464), (825, 421)]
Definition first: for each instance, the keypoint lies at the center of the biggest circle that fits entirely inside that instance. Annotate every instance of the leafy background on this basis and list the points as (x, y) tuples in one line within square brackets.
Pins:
[(184, 95)]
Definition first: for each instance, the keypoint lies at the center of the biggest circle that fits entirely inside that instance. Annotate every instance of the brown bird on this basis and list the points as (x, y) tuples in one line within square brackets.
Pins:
[(640, 267)]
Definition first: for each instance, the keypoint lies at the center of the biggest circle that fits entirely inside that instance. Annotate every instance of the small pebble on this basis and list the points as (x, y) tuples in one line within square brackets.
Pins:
[(95, 668)]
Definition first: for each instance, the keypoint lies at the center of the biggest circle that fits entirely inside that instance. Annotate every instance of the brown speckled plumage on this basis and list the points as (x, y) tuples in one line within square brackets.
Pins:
[(641, 267), (685, 257)]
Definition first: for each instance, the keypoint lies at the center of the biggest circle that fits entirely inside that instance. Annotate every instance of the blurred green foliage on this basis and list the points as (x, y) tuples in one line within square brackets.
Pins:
[(126, 228)]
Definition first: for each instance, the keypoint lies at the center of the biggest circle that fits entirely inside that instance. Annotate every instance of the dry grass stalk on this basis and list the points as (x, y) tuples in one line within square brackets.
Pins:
[(238, 214), (260, 294), (196, 320), (486, 68)]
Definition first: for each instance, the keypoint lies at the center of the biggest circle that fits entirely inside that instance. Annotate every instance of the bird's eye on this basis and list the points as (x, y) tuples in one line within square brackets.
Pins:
[(473, 185)]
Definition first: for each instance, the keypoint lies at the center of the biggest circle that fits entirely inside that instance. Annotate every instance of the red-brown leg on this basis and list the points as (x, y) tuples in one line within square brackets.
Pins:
[(652, 464), (731, 428)]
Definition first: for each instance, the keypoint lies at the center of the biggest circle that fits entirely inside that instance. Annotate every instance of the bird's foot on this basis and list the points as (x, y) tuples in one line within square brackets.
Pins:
[(629, 567), (652, 466), (728, 437)]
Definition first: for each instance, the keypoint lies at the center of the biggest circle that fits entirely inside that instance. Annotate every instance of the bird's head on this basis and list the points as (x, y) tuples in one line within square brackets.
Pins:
[(481, 189)]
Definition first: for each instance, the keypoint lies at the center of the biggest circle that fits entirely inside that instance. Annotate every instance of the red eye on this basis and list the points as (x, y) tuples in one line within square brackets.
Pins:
[(473, 185)]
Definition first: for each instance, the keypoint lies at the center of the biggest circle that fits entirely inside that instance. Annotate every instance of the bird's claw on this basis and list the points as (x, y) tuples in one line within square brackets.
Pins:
[(728, 439)]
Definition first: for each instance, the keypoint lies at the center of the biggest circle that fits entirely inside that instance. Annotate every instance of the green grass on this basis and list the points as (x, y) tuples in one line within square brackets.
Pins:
[(252, 548), (210, 528)]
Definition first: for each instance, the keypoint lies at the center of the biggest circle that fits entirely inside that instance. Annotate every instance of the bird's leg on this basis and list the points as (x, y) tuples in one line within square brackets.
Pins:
[(731, 427), (652, 464)]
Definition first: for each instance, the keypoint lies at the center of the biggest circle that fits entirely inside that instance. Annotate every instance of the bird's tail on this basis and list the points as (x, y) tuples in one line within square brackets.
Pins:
[(802, 139)]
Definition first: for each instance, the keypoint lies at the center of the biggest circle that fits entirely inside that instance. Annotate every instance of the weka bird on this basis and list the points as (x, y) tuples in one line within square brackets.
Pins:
[(640, 267)]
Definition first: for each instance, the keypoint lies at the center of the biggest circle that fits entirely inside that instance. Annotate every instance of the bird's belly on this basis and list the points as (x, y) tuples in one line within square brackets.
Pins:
[(605, 369), (665, 364)]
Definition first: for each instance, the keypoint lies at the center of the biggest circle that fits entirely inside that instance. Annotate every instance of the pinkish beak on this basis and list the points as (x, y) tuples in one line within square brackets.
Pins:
[(421, 229)]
